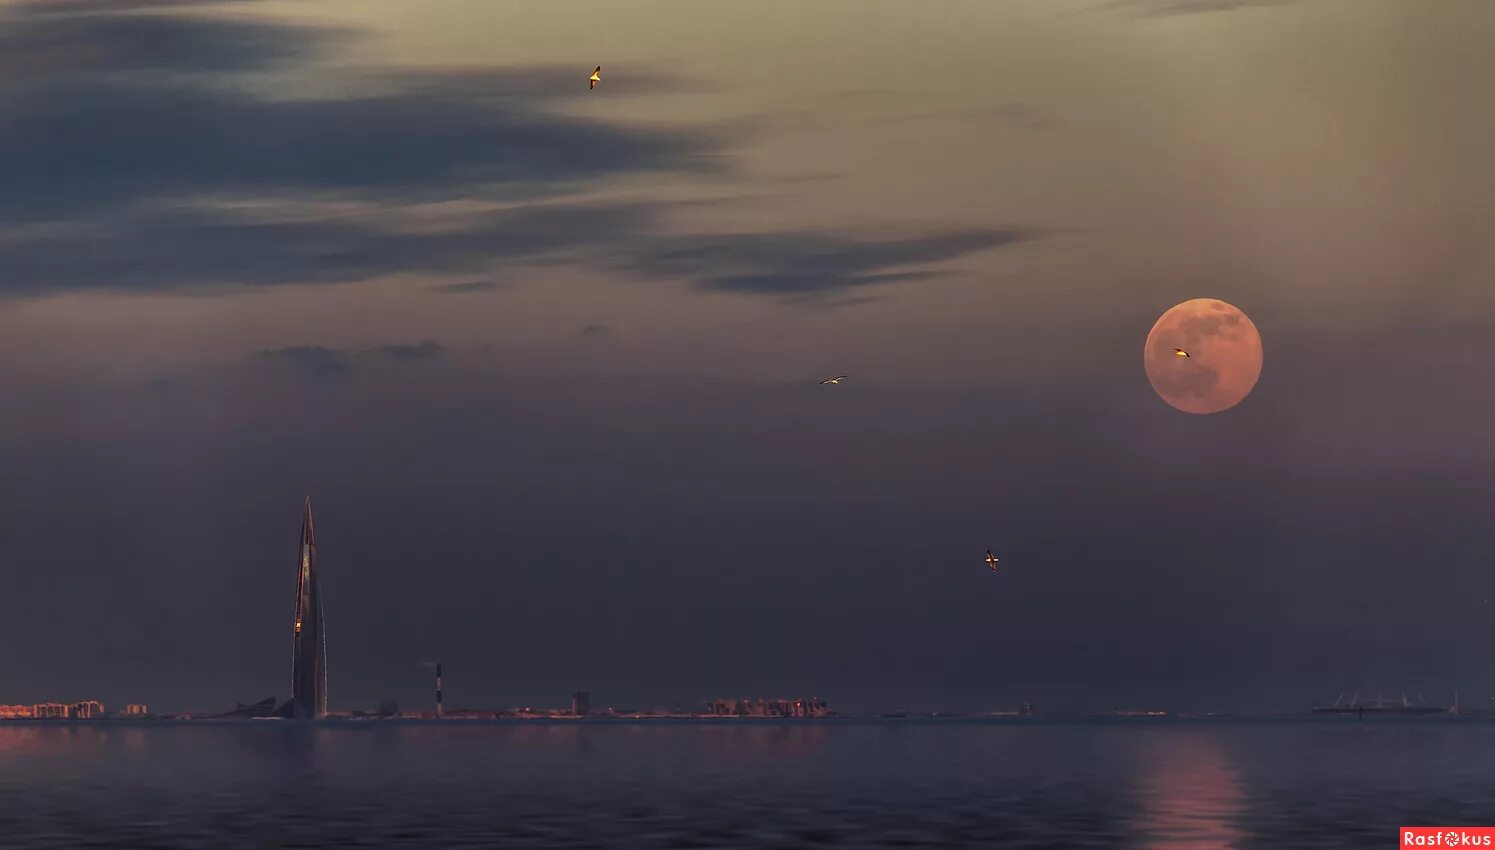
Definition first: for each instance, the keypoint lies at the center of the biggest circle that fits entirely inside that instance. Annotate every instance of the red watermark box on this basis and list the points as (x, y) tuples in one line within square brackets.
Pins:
[(1446, 836)]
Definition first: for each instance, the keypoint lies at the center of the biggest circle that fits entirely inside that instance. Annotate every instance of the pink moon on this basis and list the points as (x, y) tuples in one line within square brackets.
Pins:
[(1224, 359)]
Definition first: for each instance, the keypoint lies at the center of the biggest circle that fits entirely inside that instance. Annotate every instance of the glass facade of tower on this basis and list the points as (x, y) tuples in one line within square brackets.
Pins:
[(309, 637)]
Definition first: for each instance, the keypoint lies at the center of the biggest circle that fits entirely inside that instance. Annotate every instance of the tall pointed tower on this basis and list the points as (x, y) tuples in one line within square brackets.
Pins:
[(309, 646)]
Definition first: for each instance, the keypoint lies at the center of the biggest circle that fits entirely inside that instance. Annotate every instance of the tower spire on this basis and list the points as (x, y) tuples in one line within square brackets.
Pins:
[(308, 533), (309, 637)]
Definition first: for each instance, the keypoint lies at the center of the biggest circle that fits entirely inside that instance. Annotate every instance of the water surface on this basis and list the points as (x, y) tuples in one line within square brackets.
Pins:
[(746, 784)]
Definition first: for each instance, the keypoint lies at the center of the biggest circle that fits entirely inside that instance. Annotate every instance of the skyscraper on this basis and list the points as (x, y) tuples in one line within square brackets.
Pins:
[(309, 642)]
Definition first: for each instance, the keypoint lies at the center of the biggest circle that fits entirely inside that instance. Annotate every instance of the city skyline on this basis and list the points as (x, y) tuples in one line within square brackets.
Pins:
[(547, 358), (309, 684)]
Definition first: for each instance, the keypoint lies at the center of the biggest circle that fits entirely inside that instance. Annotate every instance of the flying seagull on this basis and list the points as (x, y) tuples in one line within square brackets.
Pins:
[(991, 560), (835, 380), (1179, 352), (596, 78)]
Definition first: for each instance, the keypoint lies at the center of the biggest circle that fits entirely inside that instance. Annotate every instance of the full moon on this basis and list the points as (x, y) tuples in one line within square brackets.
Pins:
[(1224, 356)]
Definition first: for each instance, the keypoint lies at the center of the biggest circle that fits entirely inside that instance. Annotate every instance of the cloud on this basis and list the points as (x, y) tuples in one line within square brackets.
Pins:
[(843, 303), (78, 146), (211, 249), (1163, 8), (1018, 115), (805, 264), (174, 181), (313, 361), (1024, 115), (208, 249), (69, 7), (130, 139), (534, 82), (467, 287), (85, 132), (428, 350), (319, 362), (49, 39)]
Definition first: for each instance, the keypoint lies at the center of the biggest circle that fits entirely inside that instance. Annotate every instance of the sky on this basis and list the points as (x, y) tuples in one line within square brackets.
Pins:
[(547, 359)]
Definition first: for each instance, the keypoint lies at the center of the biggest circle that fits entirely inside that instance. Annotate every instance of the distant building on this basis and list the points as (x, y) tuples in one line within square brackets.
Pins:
[(263, 708), (88, 709), (85, 710), (463, 714), (812, 707), (136, 709), (581, 703), (309, 638)]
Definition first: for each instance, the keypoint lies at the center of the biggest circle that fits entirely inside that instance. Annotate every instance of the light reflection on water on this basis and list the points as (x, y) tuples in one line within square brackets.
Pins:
[(1152, 784), (1189, 795)]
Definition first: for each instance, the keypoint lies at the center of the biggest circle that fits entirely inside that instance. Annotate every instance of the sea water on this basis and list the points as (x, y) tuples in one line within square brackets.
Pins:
[(1148, 783)]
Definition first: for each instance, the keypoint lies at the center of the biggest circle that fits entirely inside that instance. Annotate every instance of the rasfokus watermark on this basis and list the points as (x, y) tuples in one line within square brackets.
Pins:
[(1447, 836)]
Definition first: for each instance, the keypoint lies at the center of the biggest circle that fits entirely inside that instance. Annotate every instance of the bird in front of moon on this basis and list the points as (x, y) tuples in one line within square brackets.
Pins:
[(1203, 356), (596, 78)]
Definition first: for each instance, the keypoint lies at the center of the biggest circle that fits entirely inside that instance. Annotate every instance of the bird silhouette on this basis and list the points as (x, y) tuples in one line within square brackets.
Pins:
[(835, 380), (1180, 352), (596, 78)]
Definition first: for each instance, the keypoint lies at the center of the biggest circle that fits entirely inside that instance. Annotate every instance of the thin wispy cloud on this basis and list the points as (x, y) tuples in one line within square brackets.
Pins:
[(813, 264), (320, 362), (314, 361), (43, 42), (424, 351), (1165, 8), (75, 147), (73, 7), (212, 250), (467, 287)]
